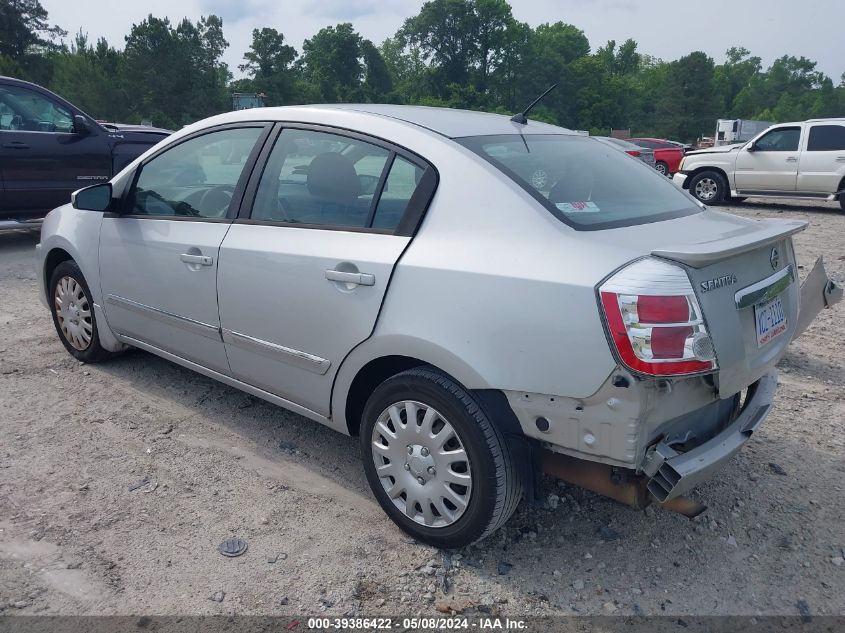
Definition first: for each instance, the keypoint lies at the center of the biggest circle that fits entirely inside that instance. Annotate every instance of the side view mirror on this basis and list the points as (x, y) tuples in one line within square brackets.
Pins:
[(751, 147), (93, 198), (81, 125)]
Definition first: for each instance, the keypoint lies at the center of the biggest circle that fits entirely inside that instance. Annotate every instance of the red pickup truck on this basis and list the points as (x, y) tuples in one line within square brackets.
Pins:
[(667, 155)]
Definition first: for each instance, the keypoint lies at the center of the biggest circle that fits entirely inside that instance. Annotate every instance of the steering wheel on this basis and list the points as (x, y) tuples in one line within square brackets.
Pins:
[(215, 201)]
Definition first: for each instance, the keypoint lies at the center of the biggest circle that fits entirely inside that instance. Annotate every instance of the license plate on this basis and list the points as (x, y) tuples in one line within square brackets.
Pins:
[(770, 319)]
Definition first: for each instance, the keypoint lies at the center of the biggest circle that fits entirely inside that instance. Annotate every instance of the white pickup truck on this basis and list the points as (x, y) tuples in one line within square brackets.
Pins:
[(788, 160)]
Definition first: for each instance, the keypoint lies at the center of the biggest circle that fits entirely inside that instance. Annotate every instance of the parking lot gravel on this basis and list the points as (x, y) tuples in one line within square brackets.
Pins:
[(119, 481)]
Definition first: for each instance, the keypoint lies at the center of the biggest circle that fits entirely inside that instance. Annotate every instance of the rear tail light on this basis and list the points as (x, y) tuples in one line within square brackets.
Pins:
[(632, 152), (655, 321)]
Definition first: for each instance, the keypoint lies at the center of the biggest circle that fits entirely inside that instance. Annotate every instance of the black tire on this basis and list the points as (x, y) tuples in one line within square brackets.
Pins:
[(842, 202), (496, 483), (714, 189), (92, 351), (662, 168)]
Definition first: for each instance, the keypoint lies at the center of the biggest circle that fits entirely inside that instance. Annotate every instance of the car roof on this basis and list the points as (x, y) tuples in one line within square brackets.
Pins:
[(448, 122)]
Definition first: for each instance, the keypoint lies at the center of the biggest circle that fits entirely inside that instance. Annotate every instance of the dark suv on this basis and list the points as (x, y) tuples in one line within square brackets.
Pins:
[(50, 148)]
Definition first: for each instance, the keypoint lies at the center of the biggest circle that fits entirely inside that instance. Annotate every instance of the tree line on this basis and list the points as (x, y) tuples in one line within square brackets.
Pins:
[(457, 53)]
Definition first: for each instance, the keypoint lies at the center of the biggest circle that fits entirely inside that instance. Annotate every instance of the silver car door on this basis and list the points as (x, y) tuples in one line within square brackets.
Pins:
[(302, 280), (158, 259)]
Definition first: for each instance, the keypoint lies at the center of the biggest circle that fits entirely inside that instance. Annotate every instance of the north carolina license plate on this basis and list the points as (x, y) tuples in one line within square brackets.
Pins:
[(770, 319)]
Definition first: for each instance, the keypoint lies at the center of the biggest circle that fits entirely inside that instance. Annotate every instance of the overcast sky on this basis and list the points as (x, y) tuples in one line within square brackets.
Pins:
[(668, 30)]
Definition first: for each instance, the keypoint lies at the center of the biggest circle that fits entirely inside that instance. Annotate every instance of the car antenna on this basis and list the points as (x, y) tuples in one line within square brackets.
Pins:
[(522, 117)]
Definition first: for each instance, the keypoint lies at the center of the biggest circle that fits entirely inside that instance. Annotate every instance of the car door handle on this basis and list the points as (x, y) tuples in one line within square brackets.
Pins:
[(15, 145), (791, 159), (840, 159), (202, 260), (360, 279)]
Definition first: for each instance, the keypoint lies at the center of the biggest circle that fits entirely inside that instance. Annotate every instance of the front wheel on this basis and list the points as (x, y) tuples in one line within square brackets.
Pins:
[(437, 465), (709, 187), (73, 313)]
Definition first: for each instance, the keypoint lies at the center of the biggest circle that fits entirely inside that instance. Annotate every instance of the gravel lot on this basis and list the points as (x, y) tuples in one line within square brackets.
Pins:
[(118, 481)]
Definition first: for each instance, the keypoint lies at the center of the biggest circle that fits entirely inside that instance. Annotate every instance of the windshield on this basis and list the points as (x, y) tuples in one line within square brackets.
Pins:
[(585, 183)]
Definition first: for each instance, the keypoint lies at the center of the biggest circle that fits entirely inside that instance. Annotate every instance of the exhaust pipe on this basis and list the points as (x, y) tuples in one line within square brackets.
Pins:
[(609, 482)]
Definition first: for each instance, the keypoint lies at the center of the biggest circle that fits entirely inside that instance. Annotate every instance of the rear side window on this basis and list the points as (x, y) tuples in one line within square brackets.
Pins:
[(319, 179), (584, 182), (826, 138)]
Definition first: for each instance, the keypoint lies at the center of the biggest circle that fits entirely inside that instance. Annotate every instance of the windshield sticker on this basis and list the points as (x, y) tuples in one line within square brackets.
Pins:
[(578, 207)]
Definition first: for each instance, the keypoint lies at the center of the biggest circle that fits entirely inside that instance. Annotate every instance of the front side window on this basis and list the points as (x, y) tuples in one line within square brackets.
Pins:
[(782, 139), (320, 179), (196, 178), (826, 138), (25, 110), (586, 183)]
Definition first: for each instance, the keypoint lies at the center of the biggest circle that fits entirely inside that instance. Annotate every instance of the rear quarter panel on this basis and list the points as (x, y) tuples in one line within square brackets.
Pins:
[(495, 290)]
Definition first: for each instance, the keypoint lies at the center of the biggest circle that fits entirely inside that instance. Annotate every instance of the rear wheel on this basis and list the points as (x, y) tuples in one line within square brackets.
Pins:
[(709, 187), (437, 465), (662, 168), (73, 313)]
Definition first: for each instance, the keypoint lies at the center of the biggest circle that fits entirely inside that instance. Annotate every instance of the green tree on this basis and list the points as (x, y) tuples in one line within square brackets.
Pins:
[(550, 57), (378, 83), (174, 75), (445, 33), (331, 61), (408, 72), (90, 77), (269, 62), (686, 106), (24, 28)]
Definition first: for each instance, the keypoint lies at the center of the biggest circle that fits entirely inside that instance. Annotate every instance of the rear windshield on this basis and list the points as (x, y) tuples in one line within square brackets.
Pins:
[(585, 183)]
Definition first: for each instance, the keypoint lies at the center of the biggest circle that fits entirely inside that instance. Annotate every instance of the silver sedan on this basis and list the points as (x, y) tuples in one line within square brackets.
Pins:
[(403, 274)]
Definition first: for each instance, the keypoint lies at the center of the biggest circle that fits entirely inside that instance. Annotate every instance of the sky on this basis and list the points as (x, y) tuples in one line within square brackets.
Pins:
[(667, 30)]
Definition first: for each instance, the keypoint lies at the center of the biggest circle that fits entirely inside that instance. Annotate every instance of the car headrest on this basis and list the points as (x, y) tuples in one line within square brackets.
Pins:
[(332, 178)]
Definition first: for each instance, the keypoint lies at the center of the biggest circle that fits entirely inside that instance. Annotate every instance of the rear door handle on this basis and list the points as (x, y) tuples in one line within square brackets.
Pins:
[(792, 159), (202, 260), (15, 145), (840, 159), (360, 279)]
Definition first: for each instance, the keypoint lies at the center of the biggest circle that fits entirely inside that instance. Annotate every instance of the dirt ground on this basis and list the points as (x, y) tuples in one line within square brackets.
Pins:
[(119, 480)]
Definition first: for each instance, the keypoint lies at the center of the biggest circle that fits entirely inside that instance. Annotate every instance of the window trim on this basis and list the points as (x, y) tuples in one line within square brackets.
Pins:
[(237, 195), (417, 205)]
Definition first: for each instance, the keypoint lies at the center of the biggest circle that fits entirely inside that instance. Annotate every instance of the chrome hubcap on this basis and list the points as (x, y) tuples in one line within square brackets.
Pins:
[(706, 188), (73, 313), (662, 169), (421, 463)]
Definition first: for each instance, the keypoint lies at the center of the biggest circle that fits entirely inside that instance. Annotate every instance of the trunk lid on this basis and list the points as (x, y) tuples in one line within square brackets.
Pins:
[(735, 265)]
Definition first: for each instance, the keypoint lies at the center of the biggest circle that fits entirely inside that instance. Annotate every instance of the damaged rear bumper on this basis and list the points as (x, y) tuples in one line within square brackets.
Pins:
[(671, 474), (817, 292)]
